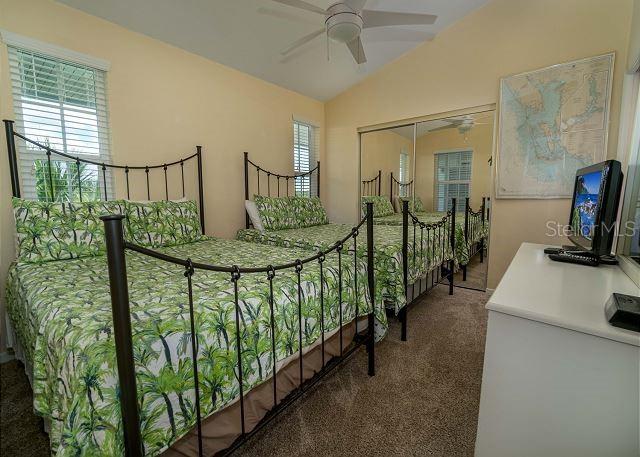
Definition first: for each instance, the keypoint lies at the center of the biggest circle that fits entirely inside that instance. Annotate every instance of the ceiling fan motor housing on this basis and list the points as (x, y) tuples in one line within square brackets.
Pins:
[(343, 24)]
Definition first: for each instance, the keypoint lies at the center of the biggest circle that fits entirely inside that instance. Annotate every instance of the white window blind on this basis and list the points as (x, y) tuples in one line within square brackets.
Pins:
[(404, 173), (63, 106), (305, 144), (452, 178)]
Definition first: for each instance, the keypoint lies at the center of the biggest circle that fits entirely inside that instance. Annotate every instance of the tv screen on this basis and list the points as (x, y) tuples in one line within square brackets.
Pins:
[(585, 204), (595, 205)]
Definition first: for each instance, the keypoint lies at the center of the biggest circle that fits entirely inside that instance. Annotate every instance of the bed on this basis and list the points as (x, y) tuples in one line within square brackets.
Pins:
[(407, 263), (61, 312), (472, 228), (105, 324)]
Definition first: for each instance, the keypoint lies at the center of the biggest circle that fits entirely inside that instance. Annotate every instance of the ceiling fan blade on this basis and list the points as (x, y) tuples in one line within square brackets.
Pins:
[(357, 51), (355, 5), (288, 15), (373, 18), (305, 39), (302, 5), (397, 34), (444, 127)]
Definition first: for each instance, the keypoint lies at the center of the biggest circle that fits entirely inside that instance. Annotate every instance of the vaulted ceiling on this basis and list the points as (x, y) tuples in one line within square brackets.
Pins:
[(249, 35)]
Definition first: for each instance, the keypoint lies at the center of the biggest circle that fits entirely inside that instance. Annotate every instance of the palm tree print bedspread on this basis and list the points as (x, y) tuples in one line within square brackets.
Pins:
[(387, 243), (61, 312)]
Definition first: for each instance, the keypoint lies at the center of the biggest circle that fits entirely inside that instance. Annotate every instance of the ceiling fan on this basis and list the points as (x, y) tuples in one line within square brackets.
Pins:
[(345, 20), (462, 123)]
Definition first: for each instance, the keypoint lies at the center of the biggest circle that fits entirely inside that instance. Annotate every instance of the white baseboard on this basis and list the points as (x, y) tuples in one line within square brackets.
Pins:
[(6, 357)]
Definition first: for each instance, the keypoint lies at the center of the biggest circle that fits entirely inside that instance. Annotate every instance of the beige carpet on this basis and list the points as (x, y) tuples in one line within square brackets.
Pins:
[(423, 400)]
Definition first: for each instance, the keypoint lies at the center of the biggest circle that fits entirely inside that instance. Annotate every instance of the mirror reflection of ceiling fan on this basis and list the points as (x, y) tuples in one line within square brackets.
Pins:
[(462, 123), (345, 20)]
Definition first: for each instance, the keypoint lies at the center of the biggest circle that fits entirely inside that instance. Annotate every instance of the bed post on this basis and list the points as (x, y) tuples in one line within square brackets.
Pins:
[(466, 234), (122, 333), (13, 159), (318, 178), (371, 320), (379, 182), (482, 238), (200, 186), (405, 267), (452, 262), (246, 187), (391, 189)]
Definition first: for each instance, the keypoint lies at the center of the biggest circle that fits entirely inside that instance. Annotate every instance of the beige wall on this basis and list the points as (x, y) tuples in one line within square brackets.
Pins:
[(381, 151), (162, 102), (479, 140), (461, 68)]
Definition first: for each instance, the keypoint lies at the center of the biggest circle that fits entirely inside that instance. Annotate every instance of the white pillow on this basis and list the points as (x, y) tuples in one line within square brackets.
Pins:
[(254, 215)]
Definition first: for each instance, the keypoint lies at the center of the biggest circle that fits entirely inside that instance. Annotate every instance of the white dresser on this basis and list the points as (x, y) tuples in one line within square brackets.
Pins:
[(558, 380)]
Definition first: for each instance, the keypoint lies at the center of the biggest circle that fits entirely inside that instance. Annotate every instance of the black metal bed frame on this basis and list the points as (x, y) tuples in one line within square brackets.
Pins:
[(116, 248), (269, 175), (116, 256), (11, 135), (399, 186), (435, 273), (374, 184), (471, 219)]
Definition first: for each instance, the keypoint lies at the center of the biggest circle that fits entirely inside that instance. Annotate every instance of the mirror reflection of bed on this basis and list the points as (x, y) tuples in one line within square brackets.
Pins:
[(430, 163), (453, 159)]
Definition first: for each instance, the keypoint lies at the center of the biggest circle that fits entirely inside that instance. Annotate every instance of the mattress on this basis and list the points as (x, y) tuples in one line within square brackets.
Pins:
[(387, 241), (61, 313)]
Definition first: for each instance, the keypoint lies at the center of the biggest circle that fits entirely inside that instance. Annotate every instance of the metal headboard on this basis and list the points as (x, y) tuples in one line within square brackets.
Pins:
[(374, 184), (270, 176), (50, 189), (398, 186)]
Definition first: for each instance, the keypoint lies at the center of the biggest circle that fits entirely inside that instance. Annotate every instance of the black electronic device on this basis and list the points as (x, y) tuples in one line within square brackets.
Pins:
[(623, 311), (594, 207), (580, 259)]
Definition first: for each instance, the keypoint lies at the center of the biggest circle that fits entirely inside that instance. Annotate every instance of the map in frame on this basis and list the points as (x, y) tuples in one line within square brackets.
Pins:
[(553, 121)]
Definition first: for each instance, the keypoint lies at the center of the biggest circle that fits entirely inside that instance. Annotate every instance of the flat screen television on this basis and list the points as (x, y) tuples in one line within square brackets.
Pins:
[(594, 208)]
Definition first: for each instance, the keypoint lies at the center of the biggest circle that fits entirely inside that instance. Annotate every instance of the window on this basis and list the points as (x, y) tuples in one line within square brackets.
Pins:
[(452, 178), (404, 173), (61, 105), (305, 143)]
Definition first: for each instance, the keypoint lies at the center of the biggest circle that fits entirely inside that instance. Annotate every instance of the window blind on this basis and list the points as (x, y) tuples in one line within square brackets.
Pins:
[(63, 106), (305, 144), (453, 179)]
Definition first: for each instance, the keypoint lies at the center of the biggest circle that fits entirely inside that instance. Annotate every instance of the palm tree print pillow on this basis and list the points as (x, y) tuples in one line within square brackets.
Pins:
[(309, 211), (60, 230), (279, 213), (162, 223), (381, 205)]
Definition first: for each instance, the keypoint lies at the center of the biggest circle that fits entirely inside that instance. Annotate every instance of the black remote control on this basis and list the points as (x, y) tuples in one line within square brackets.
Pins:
[(568, 257)]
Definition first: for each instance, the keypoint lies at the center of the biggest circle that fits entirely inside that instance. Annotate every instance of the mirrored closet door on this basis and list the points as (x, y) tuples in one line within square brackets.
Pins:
[(431, 163), (387, 159), (453, 160)]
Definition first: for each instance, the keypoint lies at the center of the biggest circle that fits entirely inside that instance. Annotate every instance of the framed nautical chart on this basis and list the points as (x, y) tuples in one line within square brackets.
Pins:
[(553, 121)]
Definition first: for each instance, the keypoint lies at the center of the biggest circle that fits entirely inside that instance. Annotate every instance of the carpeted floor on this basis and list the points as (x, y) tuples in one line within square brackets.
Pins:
[(423, 400), (476, 275)]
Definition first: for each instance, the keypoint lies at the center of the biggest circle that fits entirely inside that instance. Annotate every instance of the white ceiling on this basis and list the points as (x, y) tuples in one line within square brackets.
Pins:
[(250, 34)]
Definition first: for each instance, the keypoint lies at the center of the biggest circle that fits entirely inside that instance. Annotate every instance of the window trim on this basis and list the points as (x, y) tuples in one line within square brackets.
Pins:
[(19, 44), (435, 171), (52, 50)]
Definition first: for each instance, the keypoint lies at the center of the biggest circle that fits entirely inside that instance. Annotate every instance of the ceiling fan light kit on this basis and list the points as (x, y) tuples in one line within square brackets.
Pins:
[(343, 24)]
